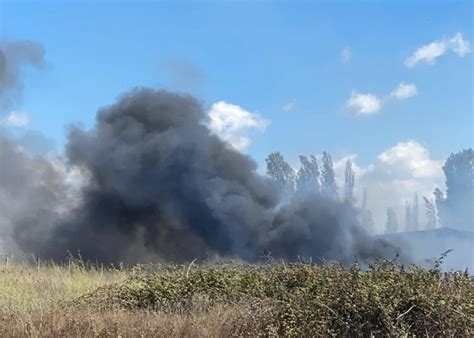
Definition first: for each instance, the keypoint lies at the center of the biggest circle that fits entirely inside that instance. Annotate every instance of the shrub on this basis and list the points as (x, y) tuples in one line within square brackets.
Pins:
[(302, 299)]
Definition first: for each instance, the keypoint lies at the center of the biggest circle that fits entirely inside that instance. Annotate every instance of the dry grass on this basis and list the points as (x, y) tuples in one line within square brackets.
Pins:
[(40, 302), (228, 299), (221, 321), (26, 288)]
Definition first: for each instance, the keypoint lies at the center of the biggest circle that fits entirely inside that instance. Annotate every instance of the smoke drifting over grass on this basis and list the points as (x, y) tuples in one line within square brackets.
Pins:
[(162, 186)]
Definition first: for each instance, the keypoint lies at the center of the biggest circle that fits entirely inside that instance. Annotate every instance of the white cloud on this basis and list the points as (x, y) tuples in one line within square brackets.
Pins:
[(364, 104), (15, 120), (395, 176), (233, 124), (370, 104), (427, 53), (406, 160), (404, 91), (346, 55), (289, 106), (460, 46), (430, 52)]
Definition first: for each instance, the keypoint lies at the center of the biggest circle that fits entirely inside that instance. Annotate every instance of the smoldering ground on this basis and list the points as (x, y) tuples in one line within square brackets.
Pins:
[(162, 186)]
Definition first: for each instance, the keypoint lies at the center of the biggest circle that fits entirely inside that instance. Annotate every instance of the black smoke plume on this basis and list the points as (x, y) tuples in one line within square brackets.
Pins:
[(162, 186)]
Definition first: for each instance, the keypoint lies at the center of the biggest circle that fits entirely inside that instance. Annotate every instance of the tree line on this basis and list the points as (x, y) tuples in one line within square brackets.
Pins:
[(312, 177), (452, 208)]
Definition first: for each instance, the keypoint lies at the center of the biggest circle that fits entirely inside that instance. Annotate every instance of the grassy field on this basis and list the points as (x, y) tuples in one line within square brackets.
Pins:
[(233, 299)]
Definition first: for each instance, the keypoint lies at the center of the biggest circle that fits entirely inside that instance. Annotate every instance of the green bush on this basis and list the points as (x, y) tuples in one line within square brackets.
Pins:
[(302, 299)]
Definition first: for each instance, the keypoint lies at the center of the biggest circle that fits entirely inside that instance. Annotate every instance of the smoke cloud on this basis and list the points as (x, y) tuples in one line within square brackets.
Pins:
[(161, 186), (13, 57), (31, 187)]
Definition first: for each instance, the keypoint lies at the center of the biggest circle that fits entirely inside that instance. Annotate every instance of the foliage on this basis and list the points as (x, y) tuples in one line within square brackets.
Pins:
[(308, 174), (455, 207), (328, 178), (308, 300), (232, 299), (281, 172)]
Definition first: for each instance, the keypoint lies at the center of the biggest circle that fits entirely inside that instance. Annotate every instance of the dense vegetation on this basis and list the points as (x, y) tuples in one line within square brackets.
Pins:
[(230, 298)]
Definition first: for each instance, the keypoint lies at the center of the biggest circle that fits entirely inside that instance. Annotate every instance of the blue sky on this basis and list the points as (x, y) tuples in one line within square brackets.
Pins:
[(259, 56)]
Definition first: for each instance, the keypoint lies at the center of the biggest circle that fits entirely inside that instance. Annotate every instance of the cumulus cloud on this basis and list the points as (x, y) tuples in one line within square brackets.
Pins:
[(404, 91), (406, 160), (395, 176), (15, 120), (430, 52), (289, 106), (364, 103), (370, 104), (346, 55), (234, 124)]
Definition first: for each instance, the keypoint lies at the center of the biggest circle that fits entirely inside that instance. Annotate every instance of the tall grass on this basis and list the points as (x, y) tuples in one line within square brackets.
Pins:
[(26, 288)]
